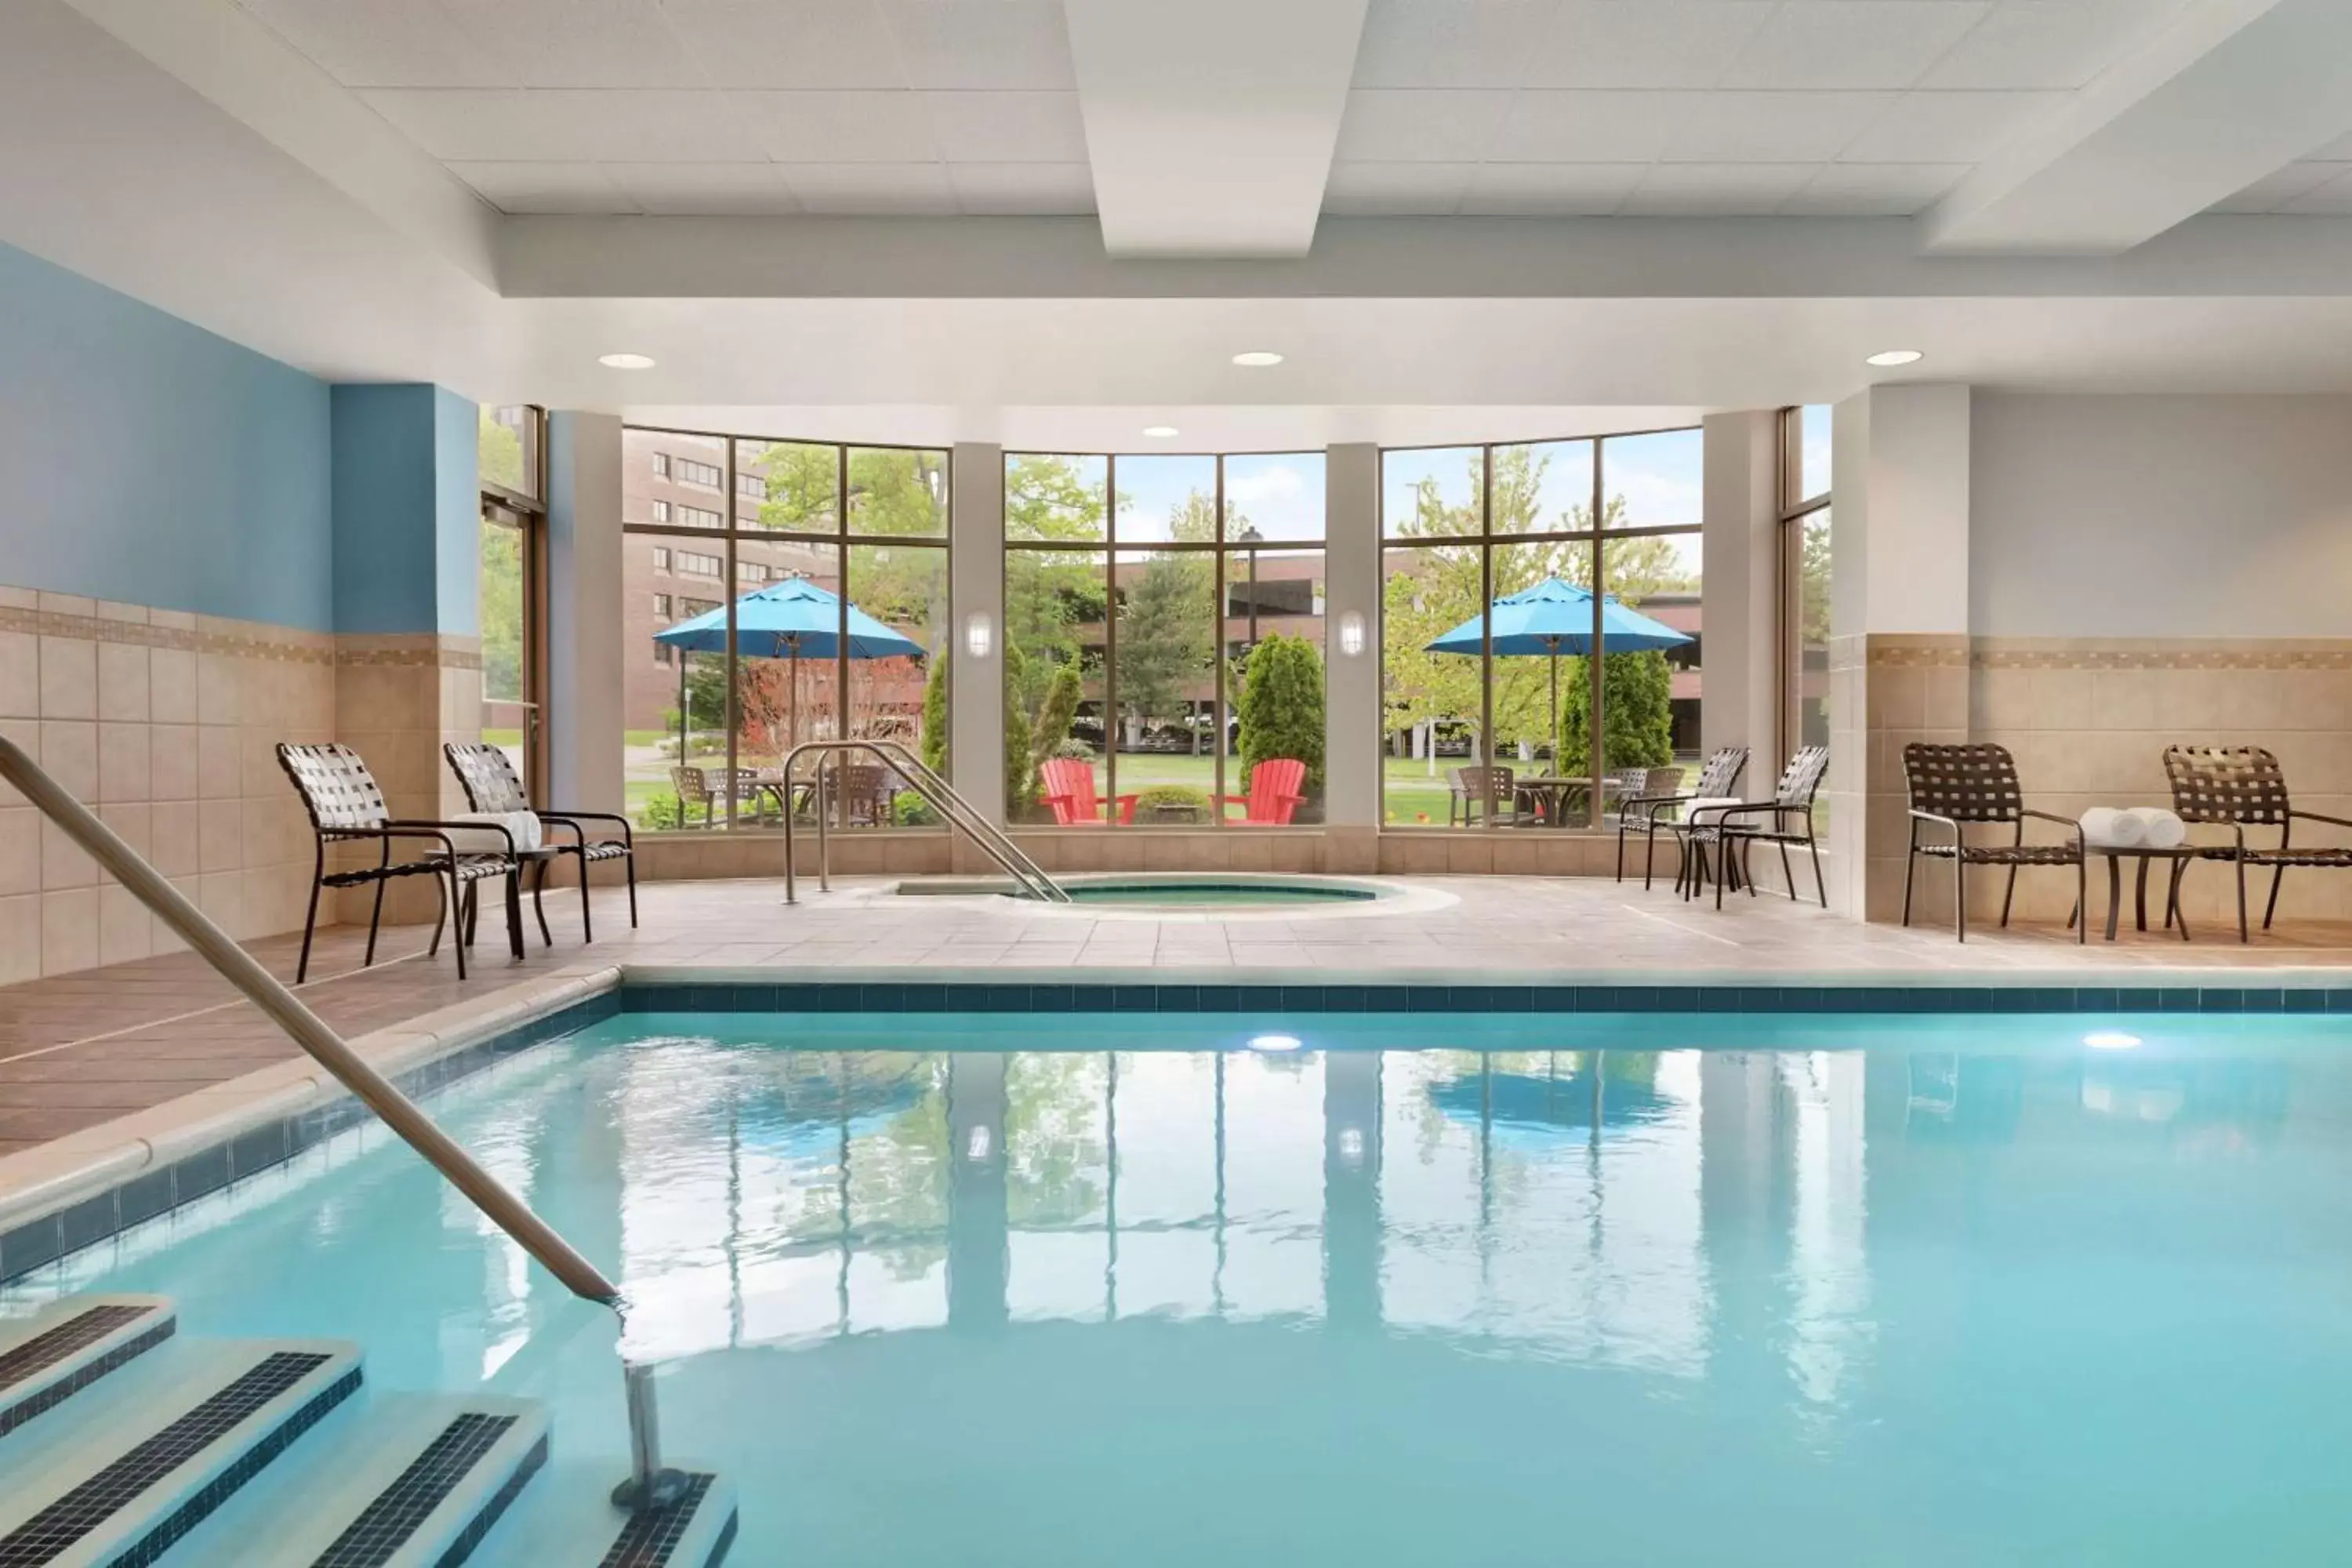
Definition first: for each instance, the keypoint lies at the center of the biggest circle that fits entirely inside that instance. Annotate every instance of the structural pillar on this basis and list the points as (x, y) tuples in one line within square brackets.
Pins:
[(1351, 682), (976, 596), (584, 675)]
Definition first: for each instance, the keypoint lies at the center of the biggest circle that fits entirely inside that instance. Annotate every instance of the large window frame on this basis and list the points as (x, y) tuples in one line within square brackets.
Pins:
[(1220, 550), (524, 509), (1797, 512), (844, 539), (1485, 541)]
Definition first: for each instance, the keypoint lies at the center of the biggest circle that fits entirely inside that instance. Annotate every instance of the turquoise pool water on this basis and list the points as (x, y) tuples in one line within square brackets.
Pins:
[(1221, 895), (1102, 1289)]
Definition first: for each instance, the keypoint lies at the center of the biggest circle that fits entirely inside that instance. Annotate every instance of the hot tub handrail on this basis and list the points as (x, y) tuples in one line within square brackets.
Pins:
[(649, 1485), (936, 792)]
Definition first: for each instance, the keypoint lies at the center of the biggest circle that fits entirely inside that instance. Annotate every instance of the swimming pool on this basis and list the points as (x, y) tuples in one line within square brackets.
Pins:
[(1375, 1290), (1223, 892)]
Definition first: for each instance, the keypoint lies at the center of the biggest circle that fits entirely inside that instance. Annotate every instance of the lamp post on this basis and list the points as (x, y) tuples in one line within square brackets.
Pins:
[(1250, 536)]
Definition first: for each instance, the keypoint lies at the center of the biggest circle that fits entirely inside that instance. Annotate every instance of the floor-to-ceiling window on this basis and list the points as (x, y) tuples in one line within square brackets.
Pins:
[(778, 592), (1492, 720), (1164, 647), (1804, 577), (510, 453)]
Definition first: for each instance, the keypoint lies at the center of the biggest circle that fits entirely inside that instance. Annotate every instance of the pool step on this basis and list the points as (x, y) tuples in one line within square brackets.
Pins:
[(568, 1518), (69, 1345)]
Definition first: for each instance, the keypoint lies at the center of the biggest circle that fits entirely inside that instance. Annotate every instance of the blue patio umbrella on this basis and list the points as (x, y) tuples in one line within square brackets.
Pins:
[(1552, 618), (783, 620)]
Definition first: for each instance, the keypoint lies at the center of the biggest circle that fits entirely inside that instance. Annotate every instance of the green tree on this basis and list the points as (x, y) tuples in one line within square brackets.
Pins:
[(1636, 692), (1282, 707), (934, 751), (1052, 725), (1019, 767), (1167, 637)]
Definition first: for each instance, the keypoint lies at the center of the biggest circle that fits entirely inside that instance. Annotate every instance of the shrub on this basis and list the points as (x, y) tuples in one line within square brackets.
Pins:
[(1281, 706), (1146, 801), (1075, 751), (661, 812), (909, 809), (1019, 767), (934, 746), (1636, 696), (1059, 706)]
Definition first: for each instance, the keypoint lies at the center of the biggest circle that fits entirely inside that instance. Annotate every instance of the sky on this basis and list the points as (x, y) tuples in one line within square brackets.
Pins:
[(1280, 494)]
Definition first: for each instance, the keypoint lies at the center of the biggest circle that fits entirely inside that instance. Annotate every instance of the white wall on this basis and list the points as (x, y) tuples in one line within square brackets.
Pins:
[(584, 682), (2171, 517)]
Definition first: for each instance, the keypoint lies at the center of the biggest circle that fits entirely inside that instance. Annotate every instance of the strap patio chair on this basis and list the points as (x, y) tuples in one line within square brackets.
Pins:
[(346, 805), (1791, 802), (693, 786), (487, 777), (1476, 786), (2237, 787), (1717, 778), (1953, 786)]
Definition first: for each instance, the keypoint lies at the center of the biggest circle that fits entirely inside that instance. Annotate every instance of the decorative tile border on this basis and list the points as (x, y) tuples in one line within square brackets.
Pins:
[(1899, 652), (410, 651), (289, 645)]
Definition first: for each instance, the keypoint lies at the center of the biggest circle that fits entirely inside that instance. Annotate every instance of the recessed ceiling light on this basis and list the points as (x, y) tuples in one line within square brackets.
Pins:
[(1159, 431), (626, 362), (1273, 1042), (1256, 358), (1893, 357), (2110, 1040)]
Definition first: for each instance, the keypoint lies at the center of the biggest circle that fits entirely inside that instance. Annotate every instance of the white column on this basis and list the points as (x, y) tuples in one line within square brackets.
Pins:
[(1351, 586), (976, 588), (1739, 596), (584, 611)]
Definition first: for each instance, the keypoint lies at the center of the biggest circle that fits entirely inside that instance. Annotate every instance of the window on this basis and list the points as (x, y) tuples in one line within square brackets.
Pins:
[(1486, 725), (1163, 628), (509, 604), (508, 451), (783, 523), (1805, 451)]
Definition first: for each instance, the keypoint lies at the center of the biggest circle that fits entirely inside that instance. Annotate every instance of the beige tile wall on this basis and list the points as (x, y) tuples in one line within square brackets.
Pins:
[(397, 699), (165, 722)]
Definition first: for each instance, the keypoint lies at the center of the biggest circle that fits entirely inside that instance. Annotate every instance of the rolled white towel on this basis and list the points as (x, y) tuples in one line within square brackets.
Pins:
[(2159, 829), (2106, 825), (1691, 807), (522, 827)]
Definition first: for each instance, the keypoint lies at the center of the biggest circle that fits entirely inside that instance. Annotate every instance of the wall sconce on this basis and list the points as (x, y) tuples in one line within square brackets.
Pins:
[(1351, 632), (979, 633)]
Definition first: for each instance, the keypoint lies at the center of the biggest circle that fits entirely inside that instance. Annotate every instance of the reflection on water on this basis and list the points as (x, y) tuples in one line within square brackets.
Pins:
[(2013, 1299)]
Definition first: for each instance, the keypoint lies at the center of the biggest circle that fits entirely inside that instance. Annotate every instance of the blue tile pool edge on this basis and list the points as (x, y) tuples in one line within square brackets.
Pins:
[(39, 1242)]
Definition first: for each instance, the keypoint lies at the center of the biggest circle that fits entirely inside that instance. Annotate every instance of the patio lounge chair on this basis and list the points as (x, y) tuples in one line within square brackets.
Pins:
[(1716, 780), (1276, 786), (346, 805), (2238, 786), (487, 777), (1954, 786), (1787, 818), (1472, 787), (1070, 791)]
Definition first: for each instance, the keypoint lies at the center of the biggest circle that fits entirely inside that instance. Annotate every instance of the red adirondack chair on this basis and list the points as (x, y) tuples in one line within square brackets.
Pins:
[(1070, 791), (1277, 785)]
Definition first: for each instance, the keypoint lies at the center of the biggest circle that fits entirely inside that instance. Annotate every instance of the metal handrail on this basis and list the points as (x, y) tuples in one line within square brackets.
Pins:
[(992, 840), (649, 1484)]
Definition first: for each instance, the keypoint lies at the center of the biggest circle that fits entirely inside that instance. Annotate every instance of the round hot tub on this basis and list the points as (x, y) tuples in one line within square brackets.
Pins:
[(1166, 894)]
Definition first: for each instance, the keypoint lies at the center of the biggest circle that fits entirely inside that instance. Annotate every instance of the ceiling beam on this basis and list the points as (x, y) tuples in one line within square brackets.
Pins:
[(1211, 123), (2233, 90)]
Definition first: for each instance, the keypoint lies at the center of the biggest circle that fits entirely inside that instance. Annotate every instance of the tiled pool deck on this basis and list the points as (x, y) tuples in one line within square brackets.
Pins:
[(85, 1049)]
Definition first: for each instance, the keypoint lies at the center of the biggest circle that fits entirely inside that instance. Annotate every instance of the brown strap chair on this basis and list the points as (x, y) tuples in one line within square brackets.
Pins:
[(487, 777), (346, 805), (1952, 787), (1716, 779), (2237, 787), (1767, 822)]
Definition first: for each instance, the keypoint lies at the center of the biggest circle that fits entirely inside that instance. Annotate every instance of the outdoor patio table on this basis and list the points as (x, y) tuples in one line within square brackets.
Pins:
[(1551, 793)]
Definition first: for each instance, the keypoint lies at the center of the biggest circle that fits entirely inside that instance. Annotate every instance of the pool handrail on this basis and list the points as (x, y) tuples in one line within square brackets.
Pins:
[(935, 790), (649, 1484)]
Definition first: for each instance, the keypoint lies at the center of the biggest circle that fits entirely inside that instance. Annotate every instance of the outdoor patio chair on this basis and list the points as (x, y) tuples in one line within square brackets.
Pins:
[(1952, 787), (2237, 787), (1070, 792), (346, 805), (1277, 787), (1476, 786), (693, 786), (1716, 780), (1786, 819), (487, 777), (861, 793)]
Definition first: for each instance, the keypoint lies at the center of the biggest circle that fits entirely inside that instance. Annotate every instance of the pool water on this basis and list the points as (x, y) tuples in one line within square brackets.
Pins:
[(1095, 1289), (1220, 895)]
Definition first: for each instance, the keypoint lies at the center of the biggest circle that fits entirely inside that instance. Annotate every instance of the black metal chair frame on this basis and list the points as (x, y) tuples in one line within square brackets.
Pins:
[(2236, 787), (346, 805), (1791, 796), (1952, 786), (1719, 776), (487, 776)]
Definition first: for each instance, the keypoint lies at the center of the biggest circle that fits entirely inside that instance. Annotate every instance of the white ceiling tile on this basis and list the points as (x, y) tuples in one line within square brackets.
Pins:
[(1022, 189), (578, 43), (1448, 43), (1716, 190), (840, 127), (1590, 127), (491, 125), (366, 43), (1398, 190), (665, 127), (1857, 44), (1643, 43), (1426, 125), (2049, 43), (1948, 127), (2331, 197), (1007, 127), (1773, 127), (705, 190), (1875, 190), (2281, 186), (545, 187), (872, 190), (1549, 190), (1004, 43), (837, 44)]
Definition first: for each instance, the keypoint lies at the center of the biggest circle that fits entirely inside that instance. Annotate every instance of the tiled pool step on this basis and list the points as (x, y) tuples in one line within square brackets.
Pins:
[(134, 1445)]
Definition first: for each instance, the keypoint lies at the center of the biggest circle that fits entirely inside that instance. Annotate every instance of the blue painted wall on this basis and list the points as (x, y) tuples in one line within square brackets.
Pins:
[(407, 509), (147, 461)]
